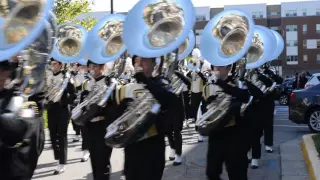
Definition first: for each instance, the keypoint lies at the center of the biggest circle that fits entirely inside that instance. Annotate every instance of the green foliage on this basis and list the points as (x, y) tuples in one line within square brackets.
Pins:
[(68, 11), (316, 139)]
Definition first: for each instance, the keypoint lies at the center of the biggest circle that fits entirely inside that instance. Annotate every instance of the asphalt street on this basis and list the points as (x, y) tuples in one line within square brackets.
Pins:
[(285, 163)]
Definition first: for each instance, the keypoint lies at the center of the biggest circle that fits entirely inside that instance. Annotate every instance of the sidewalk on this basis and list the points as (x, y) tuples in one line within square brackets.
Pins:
[(285, 163)]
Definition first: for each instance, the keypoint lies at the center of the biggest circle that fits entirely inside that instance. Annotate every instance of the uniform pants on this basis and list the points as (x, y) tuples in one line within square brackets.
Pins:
[(145, 159), (227, 146), (76, 128), (58, 121), (100, 153), (175, 141), (268, 119), (195, 102), (85, 138), (186, 103)]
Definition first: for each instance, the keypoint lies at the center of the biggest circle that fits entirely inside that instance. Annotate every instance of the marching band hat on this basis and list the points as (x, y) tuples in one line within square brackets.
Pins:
[(91, 62), (135, 56), (52, 59)]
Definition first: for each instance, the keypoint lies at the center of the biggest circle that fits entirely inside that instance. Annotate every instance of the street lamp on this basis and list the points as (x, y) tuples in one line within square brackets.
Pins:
[(111, 6)]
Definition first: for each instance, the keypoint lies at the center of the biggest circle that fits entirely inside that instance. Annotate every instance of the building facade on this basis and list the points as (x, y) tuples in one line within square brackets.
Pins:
[(297, 22)]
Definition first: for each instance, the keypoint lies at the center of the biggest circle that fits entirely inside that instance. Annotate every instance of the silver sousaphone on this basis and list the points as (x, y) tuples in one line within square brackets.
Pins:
[(162, 26), (225, 40), (32, 56), (23, 22), (104, 45), (263, 46)]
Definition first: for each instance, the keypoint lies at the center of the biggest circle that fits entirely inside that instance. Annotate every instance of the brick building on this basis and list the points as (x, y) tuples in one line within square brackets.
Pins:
[(297, 22)]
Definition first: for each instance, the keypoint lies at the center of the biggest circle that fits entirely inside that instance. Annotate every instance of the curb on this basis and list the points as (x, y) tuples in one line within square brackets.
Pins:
[(310, 156)]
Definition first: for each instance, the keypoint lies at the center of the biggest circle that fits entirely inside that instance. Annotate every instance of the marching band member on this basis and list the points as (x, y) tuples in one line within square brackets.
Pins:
[(252, 115), (175, 124), (21, 142), (196, 87), (269, 105), (226, 143), (58, 116), (145, 159), (77, 84), (100, 153)]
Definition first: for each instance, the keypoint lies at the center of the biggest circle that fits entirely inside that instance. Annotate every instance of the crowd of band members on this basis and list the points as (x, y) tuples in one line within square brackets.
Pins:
[(144, 159)]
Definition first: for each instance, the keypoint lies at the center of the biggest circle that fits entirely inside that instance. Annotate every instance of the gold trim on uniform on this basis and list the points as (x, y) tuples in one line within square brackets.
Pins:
[(132, 90)]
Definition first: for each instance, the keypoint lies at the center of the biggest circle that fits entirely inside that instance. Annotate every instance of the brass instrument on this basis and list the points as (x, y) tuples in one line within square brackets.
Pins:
[(225, 40), (28, 30), (164, 27), (238, 40)]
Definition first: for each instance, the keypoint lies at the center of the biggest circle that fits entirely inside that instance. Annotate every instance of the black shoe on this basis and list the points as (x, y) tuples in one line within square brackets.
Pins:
[(84, 159), (254, 167), (56, 172), (171, 158), (249, 160), (200, 141), (176, 163)]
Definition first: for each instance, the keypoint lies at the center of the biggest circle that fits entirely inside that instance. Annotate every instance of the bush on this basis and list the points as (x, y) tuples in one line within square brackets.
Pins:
[(316, 140)]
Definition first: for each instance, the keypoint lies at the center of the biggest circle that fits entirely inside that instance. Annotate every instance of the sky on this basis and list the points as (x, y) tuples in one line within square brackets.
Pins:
[(125, 5)]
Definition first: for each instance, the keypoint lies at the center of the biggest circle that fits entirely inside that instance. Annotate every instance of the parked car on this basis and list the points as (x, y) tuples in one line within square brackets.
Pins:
[(284, 90), (304, 107), (314, 80)]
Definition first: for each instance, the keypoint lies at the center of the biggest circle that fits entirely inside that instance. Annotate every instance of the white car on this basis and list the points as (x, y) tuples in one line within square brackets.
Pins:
[(314, 80)]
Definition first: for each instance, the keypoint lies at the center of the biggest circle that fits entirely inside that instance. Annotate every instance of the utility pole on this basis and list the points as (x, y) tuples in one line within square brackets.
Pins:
[(111, 6)]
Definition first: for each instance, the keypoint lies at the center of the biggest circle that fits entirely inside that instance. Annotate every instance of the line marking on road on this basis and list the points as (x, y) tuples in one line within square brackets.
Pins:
[(290, 126)]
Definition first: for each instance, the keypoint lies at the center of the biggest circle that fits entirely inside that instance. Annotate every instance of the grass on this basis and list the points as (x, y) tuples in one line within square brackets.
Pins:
[(316, 140)]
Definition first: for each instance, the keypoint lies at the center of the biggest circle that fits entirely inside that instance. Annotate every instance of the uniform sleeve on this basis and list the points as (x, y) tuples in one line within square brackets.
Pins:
[(12, 131), (185, 79), (72, 93), (202, 77), (241, 94), (265, 80), (160, 93), (254, 90)]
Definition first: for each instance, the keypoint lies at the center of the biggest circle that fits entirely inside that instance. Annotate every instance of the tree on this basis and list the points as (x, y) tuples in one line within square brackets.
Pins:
[(68, 11)]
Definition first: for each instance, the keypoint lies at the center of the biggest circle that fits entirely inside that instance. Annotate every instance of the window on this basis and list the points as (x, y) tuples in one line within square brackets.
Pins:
[(291, 13), (318, 28), (292, 58), (318, 58), (305, 58), (276, 28), (201, 17), (304, 29), (257, 14), (318, 12), (304, 12), (292, 43), (304, 44), (274, 14), (291, 28), (199, 32)]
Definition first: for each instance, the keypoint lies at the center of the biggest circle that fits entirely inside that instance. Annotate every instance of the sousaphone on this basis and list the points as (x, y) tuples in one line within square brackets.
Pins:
[(162, 26), (225, 40)]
